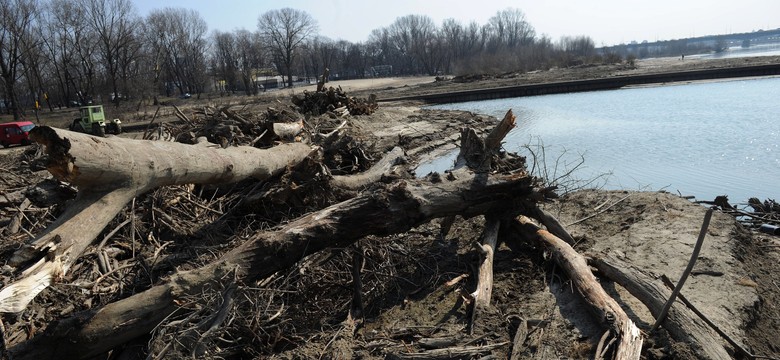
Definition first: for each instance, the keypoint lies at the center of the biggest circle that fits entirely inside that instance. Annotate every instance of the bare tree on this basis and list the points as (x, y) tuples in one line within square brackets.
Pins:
[(72, 50), (510, 29), (250, 57), (575, 50), (413, 36), (355, 60), (35, 65), (179, 37), (60, 25), (113, 22), (321, 53), (224, 65), (452, 33), (286, 30), (17, 19), (381, 49)]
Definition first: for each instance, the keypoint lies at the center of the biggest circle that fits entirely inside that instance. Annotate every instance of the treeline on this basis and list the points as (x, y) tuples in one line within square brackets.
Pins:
[(57, 53)]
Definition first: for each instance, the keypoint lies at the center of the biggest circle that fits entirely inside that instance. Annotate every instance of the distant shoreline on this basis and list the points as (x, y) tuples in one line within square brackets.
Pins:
[(605, 83)]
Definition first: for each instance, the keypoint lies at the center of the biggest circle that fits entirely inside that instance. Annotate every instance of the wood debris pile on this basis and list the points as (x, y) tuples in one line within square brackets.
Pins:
[(277, 240), (753, 215), (334, 102)]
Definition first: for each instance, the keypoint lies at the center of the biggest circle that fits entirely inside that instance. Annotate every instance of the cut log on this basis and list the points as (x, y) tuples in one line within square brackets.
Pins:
[(607, 310), (288, 130), (109, 172), (681, 323), (391, 209)]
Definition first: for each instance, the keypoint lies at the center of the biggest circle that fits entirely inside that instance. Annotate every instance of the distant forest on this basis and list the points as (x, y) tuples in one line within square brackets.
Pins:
[(61, 52)]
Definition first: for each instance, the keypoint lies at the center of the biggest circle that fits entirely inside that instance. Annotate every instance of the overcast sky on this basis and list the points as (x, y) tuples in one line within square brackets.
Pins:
[(608, 22)]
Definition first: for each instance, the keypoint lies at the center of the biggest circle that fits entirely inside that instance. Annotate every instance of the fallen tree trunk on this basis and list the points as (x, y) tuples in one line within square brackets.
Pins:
[(610, 314), (681, 323), (392, 209), (109, 172)]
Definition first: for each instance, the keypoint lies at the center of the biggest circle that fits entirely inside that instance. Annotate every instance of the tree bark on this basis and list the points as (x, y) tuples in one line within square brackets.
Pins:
[(608, 311), (681, 323), (395, 208), (109, 172)]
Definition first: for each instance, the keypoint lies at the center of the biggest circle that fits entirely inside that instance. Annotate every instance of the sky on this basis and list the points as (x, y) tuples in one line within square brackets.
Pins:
[(607, 22)]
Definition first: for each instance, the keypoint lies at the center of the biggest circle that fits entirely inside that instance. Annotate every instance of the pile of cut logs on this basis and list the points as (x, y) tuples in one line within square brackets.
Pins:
[(334, 102)]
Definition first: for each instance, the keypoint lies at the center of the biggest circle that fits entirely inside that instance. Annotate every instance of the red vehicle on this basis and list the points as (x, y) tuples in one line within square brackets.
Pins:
[(15, 133)]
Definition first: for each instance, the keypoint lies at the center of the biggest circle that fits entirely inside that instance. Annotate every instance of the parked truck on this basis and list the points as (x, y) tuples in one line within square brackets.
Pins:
[(92, 120)]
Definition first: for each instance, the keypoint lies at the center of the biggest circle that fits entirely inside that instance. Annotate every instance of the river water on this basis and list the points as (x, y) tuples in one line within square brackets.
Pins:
[(701, 139)]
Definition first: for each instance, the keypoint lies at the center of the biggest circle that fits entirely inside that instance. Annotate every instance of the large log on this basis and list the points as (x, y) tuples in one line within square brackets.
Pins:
[(681, 323), (610, 314), (391, 209), (109, 172)]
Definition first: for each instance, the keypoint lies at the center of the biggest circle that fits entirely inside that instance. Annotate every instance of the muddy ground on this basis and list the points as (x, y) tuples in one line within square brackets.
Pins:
[(414, 284)]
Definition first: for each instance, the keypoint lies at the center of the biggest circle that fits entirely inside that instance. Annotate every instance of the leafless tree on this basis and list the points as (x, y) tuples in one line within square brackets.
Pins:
[(17, 18), (461, 42), (35, 65), (574, 50), (381, 49), (320, 53), (510, 29), (179, 37), (250, 57), (286, 30), (224, 64), (414, 37), (355, 60), (452, 33), (113, 23), (72, 51), (62, 27)]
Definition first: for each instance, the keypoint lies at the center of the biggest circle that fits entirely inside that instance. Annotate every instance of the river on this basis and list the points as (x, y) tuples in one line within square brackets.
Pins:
[(701, 139)]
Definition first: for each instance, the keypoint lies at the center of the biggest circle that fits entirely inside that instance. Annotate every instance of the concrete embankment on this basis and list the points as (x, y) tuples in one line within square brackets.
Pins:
[(608, 83)]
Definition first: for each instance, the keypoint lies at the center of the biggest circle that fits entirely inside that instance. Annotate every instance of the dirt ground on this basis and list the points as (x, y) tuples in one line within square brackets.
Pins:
[(414, 284)]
